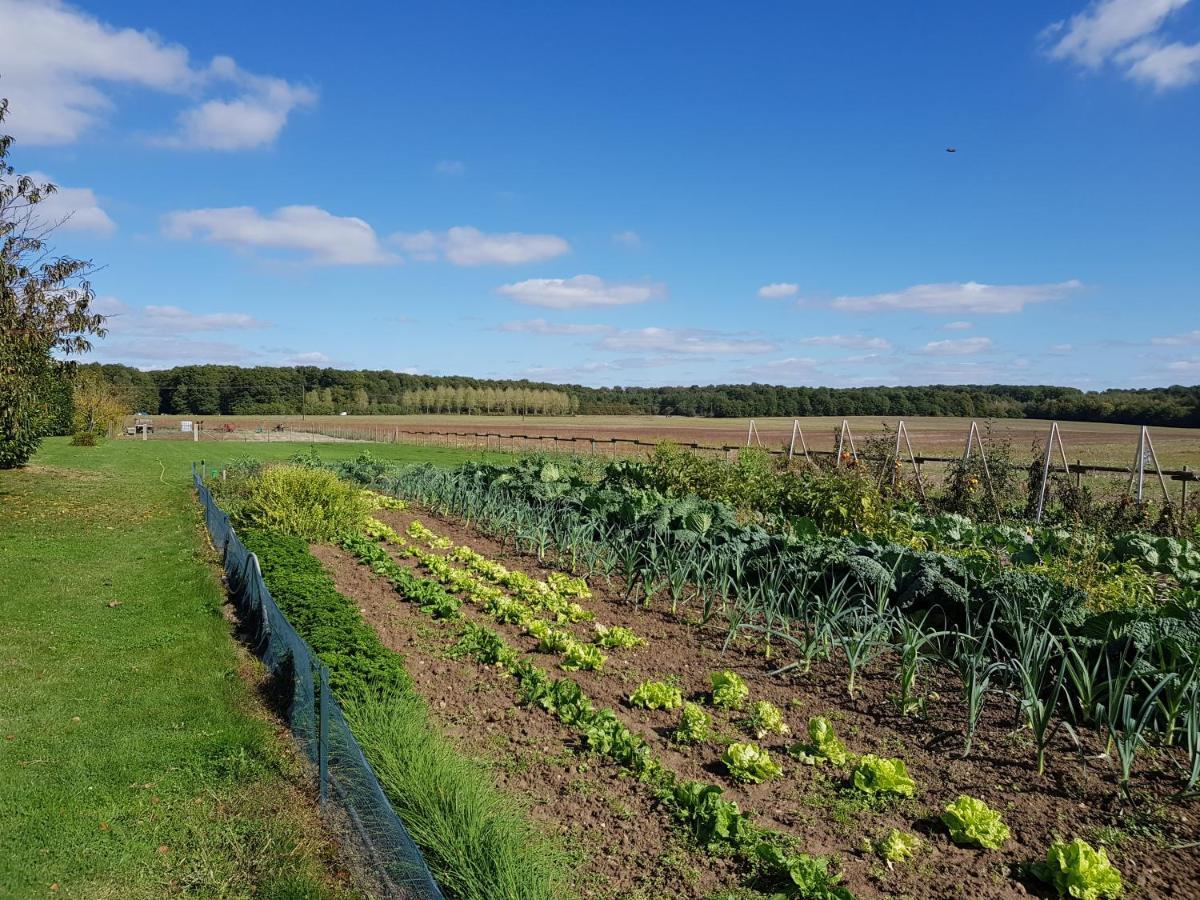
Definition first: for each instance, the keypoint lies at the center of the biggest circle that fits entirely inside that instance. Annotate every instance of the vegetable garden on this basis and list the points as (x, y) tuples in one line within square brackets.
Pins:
[(727, 680)]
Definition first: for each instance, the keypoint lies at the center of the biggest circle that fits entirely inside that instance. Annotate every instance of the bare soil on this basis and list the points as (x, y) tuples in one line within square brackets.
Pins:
[(1077, 797)]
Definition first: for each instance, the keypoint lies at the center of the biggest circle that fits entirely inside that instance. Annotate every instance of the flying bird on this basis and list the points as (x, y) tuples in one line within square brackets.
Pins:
[(951, 149)]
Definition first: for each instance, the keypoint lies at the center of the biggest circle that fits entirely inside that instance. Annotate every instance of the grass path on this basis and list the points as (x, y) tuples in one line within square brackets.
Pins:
[(134, 761)]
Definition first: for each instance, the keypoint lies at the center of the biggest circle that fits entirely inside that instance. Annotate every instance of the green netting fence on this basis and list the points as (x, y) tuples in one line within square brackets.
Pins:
[(345, 778)]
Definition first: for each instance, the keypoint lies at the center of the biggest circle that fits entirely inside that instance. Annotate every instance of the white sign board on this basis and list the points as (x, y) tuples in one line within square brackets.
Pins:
[(185, 425)]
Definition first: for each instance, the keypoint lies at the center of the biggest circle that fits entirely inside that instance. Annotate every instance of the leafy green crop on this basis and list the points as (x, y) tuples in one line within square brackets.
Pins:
[(695, 725), (713, 822), (898, 846), (1078, 870), (972, 823), (800, 875), (765, 719), (749, 762), (308, 503), (617, 637), (728, 690), (582, 656), (656, 695), (876, 775), (823, 745)]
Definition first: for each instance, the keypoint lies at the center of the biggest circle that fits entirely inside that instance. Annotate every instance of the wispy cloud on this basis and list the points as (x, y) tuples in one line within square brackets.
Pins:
[(857, 341), (627, 239), (450, 167), (960, 297), (778, 290), (961, 347), (467, 246), (1178, 340), (581, 292), (685, 341), (541, 326), (958, 326), (1128, 34), (320, 237), (59, 63), (170, 320)]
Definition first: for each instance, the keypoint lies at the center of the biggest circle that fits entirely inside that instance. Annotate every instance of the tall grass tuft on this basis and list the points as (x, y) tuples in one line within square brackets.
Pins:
[(478, 843)]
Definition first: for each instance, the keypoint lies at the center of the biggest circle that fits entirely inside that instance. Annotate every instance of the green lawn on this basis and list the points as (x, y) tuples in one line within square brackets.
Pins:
[(134, 758)]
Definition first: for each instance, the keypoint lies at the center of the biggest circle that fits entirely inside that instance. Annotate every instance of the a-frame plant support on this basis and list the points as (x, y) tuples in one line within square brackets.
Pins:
[(845, 436), (902, 434), (1138, 472), (1055, 435), (975, 439), (752, 434), (798, 432)]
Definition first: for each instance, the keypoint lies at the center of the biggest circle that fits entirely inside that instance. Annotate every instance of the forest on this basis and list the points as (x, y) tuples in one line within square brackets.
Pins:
[(263, 390)]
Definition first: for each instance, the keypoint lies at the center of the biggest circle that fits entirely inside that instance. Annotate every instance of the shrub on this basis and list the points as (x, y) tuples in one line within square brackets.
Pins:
[(972, 823), (84, 439), (310, 503)]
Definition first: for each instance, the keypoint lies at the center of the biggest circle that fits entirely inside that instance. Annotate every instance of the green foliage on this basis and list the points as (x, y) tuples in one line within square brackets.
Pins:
[(972, 823), (310, 503), (749, 762), (801, 876), (617, 637), (582, 656), (766, 719), (876, 775), (1078, 870), (695, 725), (729, 691), (656, 695), (898, 846), (823, 745), (712, 822)]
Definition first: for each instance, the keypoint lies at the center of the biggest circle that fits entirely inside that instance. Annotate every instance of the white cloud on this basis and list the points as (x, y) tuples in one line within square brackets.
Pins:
[(450, 167), (323, 238), (541, 326), (311, 358), (778, 290), (684, 341), (174, 318), (627, 238), (958, 326), (165, 352), (59, 63), (1176, 340), (857, 341), (1062, 349), (1128, 34), (467, 246), (962, 347), (956, 296), (580, 292), (77, 209), (1183, 365), (792, 366)]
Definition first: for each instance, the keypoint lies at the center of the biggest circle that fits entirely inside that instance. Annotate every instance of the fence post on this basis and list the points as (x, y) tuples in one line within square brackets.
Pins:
[(323, 737)]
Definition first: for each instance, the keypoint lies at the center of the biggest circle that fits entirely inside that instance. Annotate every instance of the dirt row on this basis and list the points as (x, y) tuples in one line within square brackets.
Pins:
[(1076, 797)]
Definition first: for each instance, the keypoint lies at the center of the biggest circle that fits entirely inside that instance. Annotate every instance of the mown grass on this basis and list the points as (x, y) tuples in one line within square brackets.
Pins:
[(134, 759)]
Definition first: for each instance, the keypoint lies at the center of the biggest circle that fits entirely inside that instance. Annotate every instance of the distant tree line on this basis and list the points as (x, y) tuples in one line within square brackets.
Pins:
[(210, 390)]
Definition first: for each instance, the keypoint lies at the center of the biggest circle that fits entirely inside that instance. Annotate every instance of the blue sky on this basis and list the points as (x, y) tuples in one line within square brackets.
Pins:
[(629, 193)]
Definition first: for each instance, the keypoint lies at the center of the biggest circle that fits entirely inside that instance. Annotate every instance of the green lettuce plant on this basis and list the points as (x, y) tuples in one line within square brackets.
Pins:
[(823, 745), (656, 695), (617, 637), (749, 762), (695, 725), (1076, 869), (713, 822), (801, 875), (972, 823), (876, 775), (729, 691), (898, 846), (765, 719), (582, 656)]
